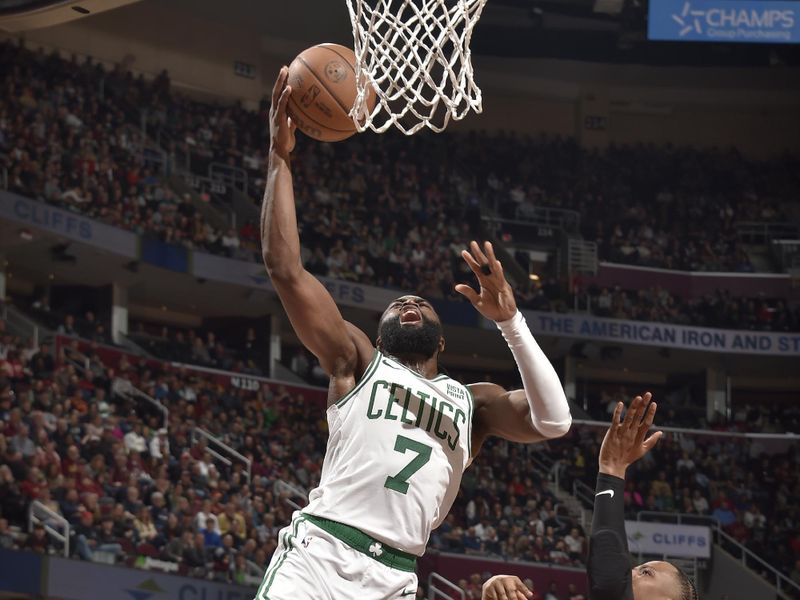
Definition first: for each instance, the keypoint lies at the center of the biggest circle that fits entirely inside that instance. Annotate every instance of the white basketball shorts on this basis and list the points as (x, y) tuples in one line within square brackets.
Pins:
[(311, 563)]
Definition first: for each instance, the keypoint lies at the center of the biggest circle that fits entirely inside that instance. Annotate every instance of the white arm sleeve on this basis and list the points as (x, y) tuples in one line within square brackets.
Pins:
[(546, 398)]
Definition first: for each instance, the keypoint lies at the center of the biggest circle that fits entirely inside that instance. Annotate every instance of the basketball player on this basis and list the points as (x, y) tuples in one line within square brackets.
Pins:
[(400, 432), (610, 575)]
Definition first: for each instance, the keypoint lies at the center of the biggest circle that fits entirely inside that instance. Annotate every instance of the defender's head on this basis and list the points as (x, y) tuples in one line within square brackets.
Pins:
[(659, 580), (410, 327)]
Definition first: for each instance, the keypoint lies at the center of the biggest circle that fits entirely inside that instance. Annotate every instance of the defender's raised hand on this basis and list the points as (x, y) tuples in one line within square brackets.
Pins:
[(281, 128), (505, 587), (496, 298), (625, 441)]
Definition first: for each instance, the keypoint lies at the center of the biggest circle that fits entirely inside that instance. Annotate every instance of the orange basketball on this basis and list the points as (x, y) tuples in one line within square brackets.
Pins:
[(323, 81)]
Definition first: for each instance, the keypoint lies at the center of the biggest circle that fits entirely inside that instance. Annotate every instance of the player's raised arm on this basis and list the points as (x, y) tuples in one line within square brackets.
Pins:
[(538, 411), (625, 442), (343, 350)]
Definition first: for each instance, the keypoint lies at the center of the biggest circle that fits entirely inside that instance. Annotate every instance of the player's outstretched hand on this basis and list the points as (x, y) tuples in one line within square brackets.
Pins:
[(496, 298), (281, 128), (625, 441), (505, 587)]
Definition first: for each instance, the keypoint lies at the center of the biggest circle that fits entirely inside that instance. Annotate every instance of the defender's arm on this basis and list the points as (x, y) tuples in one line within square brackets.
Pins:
[(625, 442)]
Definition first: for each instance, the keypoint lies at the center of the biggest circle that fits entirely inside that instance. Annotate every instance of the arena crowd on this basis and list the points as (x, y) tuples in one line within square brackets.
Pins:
[(388, 210), (133, 485)]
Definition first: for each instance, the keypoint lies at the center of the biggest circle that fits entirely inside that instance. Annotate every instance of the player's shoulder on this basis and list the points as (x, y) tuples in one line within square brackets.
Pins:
[(365, 349), (484, 395), (485, 392)]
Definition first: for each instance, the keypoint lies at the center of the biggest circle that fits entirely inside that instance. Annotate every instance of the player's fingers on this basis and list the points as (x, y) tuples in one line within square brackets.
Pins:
[(646, 398), (650, 414), (490, 270), (640, 412), (632, 415), (511, 588), (647, 422), (473, 264), (616, 419), (279, 83), (497, 272), (489, 589), (493, 589), (495, 264), (489, 250), (468, 292), (478, 253), (510, 584), (284, 98), (501, 592), (520, 587), (651, 442)]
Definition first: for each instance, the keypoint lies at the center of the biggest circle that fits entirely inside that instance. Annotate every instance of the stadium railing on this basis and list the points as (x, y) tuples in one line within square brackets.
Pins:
[(677, 518), (222, 451), (234, 177), (38, 513), (542, 216), (781, 582), (130, 392), (254, 575), (282, 486), (787, 254), (758, 232), (434, 591), (21, 324), (76, 358), (582, 492), (782, 438)]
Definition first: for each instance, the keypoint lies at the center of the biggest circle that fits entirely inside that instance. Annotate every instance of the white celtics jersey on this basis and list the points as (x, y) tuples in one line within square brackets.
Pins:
[(398, 446)]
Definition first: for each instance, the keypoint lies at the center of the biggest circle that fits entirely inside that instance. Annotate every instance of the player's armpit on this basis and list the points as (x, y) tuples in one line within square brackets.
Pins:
[(342, 348), (502, 413)]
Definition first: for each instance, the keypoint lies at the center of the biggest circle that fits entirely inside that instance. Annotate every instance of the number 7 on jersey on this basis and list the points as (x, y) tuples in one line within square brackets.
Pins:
[(399, 482)]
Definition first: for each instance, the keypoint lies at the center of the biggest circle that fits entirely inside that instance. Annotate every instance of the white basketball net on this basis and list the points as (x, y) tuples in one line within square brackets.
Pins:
[(415, 55)]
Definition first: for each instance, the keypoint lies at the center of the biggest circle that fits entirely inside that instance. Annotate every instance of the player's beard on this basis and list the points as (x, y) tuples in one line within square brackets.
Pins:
[(419, 340)]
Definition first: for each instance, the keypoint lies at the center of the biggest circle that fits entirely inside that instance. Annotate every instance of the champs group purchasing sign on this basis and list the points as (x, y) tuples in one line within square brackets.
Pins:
[(753, 21)]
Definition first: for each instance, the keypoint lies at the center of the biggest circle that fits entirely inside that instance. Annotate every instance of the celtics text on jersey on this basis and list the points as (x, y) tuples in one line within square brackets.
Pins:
[(397, 448)]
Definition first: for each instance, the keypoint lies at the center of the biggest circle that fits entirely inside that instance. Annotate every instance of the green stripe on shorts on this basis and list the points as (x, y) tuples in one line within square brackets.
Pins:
[(269, 576)]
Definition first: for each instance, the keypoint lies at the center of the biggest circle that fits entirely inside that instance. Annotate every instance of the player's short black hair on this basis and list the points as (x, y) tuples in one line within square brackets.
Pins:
[(688, 591)]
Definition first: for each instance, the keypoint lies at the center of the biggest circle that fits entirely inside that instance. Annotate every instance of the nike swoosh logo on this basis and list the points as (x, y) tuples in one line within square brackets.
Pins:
[(609, 492), (388, 364), (408, 593)]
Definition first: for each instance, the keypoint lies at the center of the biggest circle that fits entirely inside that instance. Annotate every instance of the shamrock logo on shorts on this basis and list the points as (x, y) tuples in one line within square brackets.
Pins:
[(376, 549)]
